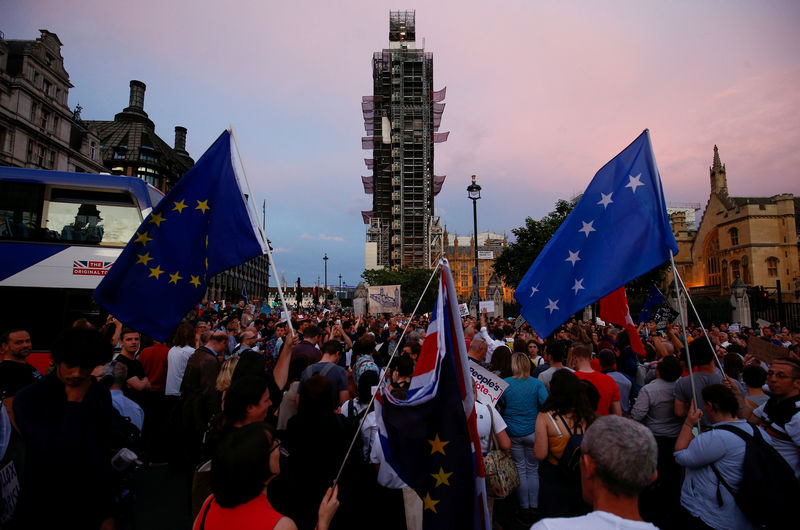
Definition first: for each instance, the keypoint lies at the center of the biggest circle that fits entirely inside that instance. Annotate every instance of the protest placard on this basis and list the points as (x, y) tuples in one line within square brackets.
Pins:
[(463, 310), (766, 351), (489, 386), (488, 305)]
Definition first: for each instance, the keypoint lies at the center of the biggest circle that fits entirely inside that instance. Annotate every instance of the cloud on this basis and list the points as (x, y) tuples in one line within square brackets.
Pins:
[(323, 237), (280, 250), (307, 236)]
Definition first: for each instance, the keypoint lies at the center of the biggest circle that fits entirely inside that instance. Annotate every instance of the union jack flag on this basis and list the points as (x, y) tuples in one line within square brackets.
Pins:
[(90, 267), (431, 438)]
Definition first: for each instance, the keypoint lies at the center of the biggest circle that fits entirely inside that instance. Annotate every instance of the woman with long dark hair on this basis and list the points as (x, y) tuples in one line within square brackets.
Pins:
[(566, 412)]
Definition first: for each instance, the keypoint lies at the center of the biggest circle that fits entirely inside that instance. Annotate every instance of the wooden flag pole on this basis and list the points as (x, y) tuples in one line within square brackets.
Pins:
[(260, 224)]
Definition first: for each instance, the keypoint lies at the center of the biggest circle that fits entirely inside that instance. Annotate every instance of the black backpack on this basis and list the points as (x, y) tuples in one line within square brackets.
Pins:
[(569, 465), (769, 490)]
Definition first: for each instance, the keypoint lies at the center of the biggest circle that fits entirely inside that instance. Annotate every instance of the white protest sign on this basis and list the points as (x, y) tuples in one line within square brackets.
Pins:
[(285, 315), (489, 386), (463, 310), (488, 305)]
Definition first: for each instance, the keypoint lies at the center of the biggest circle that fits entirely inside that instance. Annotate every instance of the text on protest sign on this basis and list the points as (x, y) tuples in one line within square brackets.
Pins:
[(489, 386)]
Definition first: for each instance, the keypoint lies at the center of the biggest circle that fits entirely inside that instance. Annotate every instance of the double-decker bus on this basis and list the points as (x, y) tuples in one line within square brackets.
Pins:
[(59, 234)]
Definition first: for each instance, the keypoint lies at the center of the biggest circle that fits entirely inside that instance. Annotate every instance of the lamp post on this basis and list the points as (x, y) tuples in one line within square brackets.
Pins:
[(474, 193), (325, 292), (339, 292)]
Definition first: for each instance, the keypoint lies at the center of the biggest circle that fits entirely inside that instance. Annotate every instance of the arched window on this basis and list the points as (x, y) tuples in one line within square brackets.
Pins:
[(734, 236), (772, 267), (712, 259), (735, 272), (725, 281)]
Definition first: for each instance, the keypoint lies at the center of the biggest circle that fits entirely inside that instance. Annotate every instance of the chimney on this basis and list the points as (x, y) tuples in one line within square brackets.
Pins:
[(180, 139), (137, 95)]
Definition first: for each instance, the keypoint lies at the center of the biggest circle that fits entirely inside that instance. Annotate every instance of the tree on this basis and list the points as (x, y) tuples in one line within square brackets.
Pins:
[(518, 257), (412, 282)]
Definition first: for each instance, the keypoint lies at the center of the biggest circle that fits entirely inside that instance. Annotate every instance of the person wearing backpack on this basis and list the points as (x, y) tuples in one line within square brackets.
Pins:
[(715, 453), (560, 425)]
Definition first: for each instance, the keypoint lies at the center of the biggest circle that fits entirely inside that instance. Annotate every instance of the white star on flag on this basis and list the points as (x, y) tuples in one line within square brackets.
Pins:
[(573, 257), (606, 200), (552, 306), (635, 182), (587, 227), (534, 289), (578, 285)]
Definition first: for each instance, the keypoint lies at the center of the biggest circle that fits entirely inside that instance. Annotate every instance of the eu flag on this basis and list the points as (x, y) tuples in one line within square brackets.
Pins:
[(200, 228), (618, 231), (653, 300), (430, 438)]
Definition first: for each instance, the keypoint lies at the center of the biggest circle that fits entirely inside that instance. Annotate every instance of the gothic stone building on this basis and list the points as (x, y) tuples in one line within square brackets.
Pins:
[(751, 238)]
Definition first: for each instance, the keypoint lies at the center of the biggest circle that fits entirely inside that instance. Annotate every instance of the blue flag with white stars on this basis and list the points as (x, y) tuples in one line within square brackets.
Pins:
[(200, 228), (618, 231)]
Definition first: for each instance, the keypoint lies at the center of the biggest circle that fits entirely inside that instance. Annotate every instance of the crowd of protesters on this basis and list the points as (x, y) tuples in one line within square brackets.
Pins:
[(258, 418)]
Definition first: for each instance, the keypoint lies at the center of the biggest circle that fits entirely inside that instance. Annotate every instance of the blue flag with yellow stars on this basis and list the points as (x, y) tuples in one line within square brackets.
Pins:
[(200, 228), (430, 436), (618, 230)]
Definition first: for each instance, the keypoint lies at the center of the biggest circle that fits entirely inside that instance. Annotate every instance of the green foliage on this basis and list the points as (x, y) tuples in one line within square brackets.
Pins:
[(518, 257), (412, 282)]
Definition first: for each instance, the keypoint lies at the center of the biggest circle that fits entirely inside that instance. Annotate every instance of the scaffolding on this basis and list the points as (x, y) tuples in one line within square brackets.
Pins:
[(402, 120)]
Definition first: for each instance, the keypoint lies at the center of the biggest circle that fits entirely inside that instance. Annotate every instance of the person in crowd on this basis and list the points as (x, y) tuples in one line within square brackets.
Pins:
[(308, 345), (532, 349), (707, 504), (477, 350), (520, 403), (201, 327), (566, 412), (501, 361), (754, 377), (272, 348), (609, 402), (618, 460), (200, 401), (182, 348), (362, 358), (244, 463), (154, 363), (15, 372), (655, 409), (701, 356), (65, 422), (554, 353), (249, 339), (412, 349), (125, 406), (137, 382), (225, 375), (328, 366), (608, 360)]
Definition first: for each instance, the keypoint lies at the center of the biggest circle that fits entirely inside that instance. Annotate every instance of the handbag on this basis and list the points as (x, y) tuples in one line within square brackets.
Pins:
[(502, 476)]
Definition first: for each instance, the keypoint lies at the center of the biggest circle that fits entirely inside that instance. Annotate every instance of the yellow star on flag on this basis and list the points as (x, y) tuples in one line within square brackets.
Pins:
[(441, 477), (203, 206), (155, 272), (179, 205), (195, 280), (437, 445), (143, 258), (157, 218), (430, 504), (142, 238), (173, 278)]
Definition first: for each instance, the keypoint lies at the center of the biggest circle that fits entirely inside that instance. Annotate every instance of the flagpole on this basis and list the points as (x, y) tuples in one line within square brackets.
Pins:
[(383, 376), (683, 326), (710, 344), (263, 233)]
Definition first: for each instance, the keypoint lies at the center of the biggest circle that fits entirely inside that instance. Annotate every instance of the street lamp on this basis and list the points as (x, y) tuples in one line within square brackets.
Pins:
[(339, 293), (325, 292), (474, 193)]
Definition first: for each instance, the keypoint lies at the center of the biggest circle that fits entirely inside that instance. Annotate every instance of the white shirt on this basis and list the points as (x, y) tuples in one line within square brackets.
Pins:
[(484, 416), (177, 357), (596, 520), (490, 343)]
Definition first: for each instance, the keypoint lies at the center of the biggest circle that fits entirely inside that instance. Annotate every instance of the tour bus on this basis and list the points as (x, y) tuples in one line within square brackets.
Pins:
[(59, 234)]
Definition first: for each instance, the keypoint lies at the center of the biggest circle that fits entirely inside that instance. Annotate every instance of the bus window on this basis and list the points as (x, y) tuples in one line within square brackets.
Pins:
[(92, 217), (21, 210)]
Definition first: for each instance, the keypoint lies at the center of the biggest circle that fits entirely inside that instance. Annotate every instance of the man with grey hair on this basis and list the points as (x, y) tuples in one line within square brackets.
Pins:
[(477, 350), (618, 461)]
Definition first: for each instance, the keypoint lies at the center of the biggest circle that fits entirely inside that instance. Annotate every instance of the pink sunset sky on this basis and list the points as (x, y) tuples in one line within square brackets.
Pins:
[(540, 94)]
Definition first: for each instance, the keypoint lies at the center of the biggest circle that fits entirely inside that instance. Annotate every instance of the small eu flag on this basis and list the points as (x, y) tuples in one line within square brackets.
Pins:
[(200, 228), (430, 438), (618, 231), (653, 300)]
